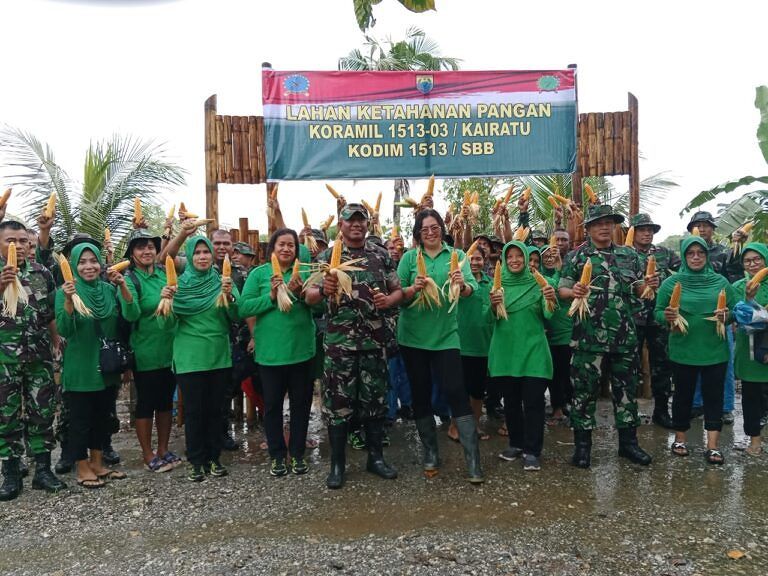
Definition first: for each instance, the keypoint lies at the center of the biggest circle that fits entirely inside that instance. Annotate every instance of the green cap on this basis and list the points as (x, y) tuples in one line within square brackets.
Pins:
[(600, 211), (538, 235), (244, 248), (350, 210), (141, 234), (644, 220)]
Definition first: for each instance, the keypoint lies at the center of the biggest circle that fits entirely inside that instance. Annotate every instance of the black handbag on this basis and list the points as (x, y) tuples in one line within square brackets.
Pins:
[(115, 357)]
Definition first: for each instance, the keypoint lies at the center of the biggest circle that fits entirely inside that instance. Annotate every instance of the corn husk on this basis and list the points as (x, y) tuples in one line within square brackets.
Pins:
[(680, 323), (120, 266), (184, 214), (454, 291), (14, 294), (542, 282), (50, 208), (650, 270), (429, 296), (4, 198), (226, 272), (757, 279), (77, 302), (309, 239), (171, 279), (580, 306), (629, 241), (738, 245), (337, 268), (500, 310), (284, 300)]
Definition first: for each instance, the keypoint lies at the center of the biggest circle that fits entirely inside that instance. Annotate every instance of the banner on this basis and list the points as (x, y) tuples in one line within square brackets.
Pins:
[(362, 125)]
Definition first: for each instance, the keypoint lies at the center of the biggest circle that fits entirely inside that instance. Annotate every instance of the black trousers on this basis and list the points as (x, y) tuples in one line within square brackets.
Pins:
[(89, 419), (524, 411), (712, 383), (753, 405), (560, 387), (154, 392), (446, 366), (475, 375), (203, 394), (296, 379)]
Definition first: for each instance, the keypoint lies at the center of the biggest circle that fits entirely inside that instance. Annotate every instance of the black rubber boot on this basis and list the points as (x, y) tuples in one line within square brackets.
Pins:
[(467, 427), (661, 412), (629, 449), (582, 452), (374, 438), (12, 485), (337, 436), (428, 436), (44, 479), (109, 454), (23, 468), (65, 463)]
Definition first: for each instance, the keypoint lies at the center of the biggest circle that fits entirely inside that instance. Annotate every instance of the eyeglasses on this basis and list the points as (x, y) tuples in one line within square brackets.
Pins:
[(431, 230), (755, 260)]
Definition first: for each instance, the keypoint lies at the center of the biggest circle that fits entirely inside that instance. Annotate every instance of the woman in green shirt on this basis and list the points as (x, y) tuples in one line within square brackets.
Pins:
[(700, 351), (202, 360), (519, 357), (753, 374), (285, 364), (152, 345), (429, 341), (89, 393)]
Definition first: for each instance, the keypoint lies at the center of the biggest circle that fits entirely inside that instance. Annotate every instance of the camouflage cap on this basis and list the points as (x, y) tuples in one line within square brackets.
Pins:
[(495, 240), (141, 234), (319, 236), (702, 216), (350, 210), (599, 211), (642, 219), (538, 235), (244, 248)]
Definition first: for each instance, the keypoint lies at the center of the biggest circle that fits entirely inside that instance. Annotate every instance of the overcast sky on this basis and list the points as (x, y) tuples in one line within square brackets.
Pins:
[(73, 71)]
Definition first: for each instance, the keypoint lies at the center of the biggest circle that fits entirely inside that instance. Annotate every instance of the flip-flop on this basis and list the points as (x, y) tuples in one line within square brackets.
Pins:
[(91, 483), (114, 475)]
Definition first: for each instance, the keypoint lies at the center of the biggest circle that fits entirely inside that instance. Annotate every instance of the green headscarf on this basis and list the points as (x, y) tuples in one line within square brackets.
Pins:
[(762, 292), (95, 294), (520, 289), (198, 289), (699, 288)]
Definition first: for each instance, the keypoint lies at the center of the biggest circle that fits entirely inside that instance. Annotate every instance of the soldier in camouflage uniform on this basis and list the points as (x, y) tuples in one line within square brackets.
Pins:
[(355, 379), (606, 338), (649, 332), (26, 369)]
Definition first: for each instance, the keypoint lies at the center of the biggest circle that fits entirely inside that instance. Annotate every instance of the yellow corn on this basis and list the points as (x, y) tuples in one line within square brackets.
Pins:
[(508, 195), (421, 265), (497, 276), (430, 186), (630, 239), (120, 266), (332, 191), (171, 211), (4, 197), (304, 218), (527, 194), (454, 262), (677, 291), (540, 280), (395, 232), (757, 278), (552, 201), (66, 270), (296, 268), (586, 274), (650, 267), (226, 267), (475, 198), (50, 208), (367, 206), (378, 203), (276, 269), (590, 194), (695, 231), (472, 249), (553, 241), (137, 213), (721, 300), (11, 261), (745, 229), (327, 223), (336, 253), (171, 278), (560, 198), (107, 235), (467, 198)]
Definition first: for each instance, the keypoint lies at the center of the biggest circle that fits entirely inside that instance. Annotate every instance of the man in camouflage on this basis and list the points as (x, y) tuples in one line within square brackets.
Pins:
[(355, 379), (606, 338), (649, 332), (244, 256), (26, 368)]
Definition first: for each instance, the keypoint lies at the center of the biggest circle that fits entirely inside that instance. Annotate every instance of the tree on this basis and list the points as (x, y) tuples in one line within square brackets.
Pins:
[(115, 172), (415, 52), (364, 10)]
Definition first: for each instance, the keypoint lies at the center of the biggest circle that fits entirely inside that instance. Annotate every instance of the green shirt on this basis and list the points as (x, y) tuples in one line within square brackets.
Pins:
[(152, 341), (281, 338), (81, 354), (475, 325), (559, 326), (435, 329), (667, 262), (747, 368)]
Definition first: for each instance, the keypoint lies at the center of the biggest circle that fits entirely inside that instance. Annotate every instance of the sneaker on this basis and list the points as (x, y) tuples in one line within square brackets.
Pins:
[(531, 463), (511, 454), (195, 473), (216, 469), (355, 439), (728, 418), (277, 467), (172, 459), (158, 465), (299, 466)]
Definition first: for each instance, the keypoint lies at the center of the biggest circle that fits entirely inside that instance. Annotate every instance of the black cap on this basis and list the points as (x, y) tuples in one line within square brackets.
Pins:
[(702, 216), (79, 238)]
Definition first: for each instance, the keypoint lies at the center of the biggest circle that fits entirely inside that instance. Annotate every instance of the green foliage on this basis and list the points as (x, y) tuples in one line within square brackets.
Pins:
[(364, 10), (114, 173), (761, 103), (672, 242)]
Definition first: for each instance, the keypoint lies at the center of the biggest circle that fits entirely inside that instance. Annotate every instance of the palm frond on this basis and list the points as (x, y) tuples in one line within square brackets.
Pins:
[(707, 195), (751, 206), (654, 190)]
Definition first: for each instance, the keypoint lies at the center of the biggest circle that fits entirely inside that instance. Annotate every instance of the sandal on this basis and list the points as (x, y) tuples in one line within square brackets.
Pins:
[(679, 449), (714, 456), (754, 450), (114, 475), (172, 459), (91, 483), (158, 465)]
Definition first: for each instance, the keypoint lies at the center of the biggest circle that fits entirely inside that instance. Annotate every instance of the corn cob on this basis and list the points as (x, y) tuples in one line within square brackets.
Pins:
[(107, 235), (454, 291), (580, 306), (521, 234), (309, 240), (336, 268), (695, 231), (430, 186), (333, 192), (739, 244), (226, 272), (138, 216), (552, 201), (184, 214), (14, 292), (429, 296), (472, 248), (721, 305), (295, 273), (591, 196), (50, 208), (395, 232), (757, 279), (171, 211), (629, 241), (560, 198), (4, 198), (284, 301), (680, 323), (527, 194), (650, 271), (367, 207), (553, 241), (77, 302), (499, 309), (508, 195), (542, 282), (120, 266), (327, 223), (171, 279)]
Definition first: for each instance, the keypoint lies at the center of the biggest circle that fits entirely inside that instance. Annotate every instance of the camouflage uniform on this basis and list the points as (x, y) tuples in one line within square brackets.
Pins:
[(355, 367), (723, 260), (26, 368), (606, 340)]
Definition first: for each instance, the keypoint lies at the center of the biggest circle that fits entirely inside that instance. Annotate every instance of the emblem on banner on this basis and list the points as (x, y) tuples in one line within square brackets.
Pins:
[(424, 84), (548, 83), (296, 84)]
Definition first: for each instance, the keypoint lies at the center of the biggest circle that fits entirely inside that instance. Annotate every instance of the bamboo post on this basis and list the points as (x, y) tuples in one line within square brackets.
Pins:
[(211, 179), (634, 168), (253, 240), (234, 233), (243, 225)]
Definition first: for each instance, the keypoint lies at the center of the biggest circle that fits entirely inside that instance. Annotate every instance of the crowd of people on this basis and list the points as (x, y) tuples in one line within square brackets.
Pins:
[(446, 324)]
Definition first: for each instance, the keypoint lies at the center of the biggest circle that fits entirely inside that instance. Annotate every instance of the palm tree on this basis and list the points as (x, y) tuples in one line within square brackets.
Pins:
[(415, 52), (364, 10), (115, 172)]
